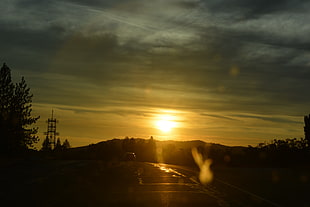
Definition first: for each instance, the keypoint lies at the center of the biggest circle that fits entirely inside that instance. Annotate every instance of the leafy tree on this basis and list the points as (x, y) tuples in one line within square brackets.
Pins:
[(15, 114)]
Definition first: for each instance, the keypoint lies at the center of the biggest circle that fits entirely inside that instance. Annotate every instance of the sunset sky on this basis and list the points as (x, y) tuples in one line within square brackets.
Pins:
[(234, 72)]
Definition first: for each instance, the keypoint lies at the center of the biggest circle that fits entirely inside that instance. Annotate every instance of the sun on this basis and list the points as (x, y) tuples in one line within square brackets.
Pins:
[(165, 124)]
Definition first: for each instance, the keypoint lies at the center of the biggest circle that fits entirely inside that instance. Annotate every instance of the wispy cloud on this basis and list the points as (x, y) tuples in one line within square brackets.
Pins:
[(217, 59)]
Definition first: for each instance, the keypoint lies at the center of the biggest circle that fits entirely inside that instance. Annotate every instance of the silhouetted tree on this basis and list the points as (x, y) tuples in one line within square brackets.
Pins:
[(58, 146), (151, 149), (46, 145), (15, 114), (66, 145), (307, 129), (129, 144), (6, 96)]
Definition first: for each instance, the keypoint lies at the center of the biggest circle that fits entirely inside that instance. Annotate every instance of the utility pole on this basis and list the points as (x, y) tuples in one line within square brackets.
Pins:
[(51, 131)]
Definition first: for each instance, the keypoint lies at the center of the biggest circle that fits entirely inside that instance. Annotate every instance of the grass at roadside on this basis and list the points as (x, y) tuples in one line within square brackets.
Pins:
[(285, 186), (64, 183)]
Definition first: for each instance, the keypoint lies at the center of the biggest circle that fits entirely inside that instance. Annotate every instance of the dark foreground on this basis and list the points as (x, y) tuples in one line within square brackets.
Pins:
[(94, 183)]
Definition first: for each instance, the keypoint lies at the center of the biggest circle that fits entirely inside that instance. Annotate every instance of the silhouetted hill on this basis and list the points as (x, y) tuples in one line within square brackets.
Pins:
[(180, 153), (170, 151)]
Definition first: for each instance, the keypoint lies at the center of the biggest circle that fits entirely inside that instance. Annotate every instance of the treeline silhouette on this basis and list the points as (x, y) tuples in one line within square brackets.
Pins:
[(281, 152), (288, 152), (113, 150), (277, 153), (47, 147)]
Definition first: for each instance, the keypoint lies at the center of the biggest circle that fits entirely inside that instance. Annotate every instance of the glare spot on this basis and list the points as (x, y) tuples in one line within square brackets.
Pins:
[(221, 89), (234, 71), (205, 175), (275, 176), (304, 178), (227, 158)]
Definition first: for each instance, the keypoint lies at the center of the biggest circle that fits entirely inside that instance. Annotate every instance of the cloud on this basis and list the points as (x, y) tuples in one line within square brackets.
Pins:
[(99, 3), (209, 57), (219, 116), (194, 76), (271, 119), (188, 4), (243, 9)]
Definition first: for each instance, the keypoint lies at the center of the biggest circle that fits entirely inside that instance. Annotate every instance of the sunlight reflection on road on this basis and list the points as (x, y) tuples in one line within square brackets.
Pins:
[(187, 182), (168, 170)]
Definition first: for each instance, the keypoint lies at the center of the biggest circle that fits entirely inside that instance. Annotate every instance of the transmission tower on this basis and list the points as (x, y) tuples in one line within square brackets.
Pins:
[(51, 131)]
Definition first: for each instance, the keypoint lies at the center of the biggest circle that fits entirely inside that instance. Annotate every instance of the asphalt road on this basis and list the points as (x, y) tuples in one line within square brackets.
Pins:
[(94, 183), (171, 185)]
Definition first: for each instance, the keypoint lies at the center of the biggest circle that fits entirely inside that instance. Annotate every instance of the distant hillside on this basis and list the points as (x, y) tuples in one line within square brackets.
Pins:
[(174, 152), (180, 153)]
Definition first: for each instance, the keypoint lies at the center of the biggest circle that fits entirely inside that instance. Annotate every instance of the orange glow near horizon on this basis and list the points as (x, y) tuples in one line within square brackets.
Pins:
[(166, 123)]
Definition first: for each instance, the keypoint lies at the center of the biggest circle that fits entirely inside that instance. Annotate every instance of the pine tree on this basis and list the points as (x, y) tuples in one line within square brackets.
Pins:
[(66, 145), (46, 145), (6, 95), (58, 146), (15, 114)]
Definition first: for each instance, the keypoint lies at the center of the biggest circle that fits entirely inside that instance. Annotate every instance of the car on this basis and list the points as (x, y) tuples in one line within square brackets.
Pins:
[(130, 156)]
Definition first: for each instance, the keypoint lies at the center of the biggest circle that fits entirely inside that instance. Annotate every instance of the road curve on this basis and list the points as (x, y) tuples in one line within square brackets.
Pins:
[(172, 185)]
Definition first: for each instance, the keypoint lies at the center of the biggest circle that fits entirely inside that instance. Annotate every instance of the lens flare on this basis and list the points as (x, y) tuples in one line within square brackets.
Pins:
[(205, 175)]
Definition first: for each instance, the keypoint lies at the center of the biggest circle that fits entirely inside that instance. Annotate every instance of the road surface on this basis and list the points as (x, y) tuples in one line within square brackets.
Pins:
[(171, 185), (94, 183)]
